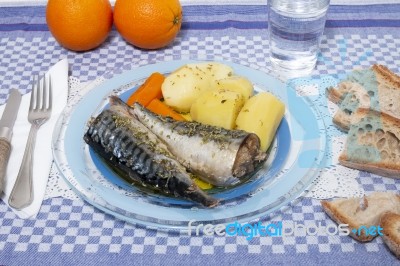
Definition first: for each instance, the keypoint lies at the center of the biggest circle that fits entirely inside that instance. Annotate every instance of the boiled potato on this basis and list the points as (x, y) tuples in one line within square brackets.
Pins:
[(217, 108), (236, 83), (261, 115), (212, 70), (182, 87)]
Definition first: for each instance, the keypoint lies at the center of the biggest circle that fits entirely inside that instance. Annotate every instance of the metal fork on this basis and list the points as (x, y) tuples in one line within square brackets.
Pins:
[(39, 113)]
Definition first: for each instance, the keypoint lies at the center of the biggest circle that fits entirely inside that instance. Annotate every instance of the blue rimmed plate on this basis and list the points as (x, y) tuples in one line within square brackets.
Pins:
[(294, 161)]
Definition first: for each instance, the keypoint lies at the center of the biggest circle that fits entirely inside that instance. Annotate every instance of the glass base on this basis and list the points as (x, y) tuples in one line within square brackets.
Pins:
[(288, 70)]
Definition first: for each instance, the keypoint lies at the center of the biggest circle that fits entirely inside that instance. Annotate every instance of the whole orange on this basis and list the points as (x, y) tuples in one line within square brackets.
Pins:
[(149, 24), (79, 25)]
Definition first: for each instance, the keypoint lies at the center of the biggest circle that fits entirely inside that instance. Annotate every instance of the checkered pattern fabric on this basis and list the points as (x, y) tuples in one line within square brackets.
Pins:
[(73, 227), (73, 232), (339, 55)]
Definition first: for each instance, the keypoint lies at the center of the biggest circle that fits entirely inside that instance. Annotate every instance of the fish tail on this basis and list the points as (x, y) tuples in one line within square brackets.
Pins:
[(182, 185), (199, 195)]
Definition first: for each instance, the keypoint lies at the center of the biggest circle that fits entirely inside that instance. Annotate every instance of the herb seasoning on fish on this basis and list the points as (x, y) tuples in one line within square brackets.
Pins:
[(117, 136), (217, 155)]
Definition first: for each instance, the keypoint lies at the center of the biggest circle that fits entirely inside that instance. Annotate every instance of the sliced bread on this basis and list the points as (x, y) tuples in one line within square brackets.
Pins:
[(366, 211), (376, 88), (373, 143), (390, 222)]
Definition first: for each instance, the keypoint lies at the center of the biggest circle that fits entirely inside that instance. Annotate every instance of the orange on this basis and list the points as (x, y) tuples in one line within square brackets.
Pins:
[(149, 24), (79, 25)]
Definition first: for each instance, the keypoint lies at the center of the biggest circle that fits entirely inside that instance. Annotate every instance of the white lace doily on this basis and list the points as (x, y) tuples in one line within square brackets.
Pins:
[(334, 181), (56, 186)]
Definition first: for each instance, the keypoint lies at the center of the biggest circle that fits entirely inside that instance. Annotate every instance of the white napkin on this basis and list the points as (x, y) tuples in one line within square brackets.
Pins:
[(43, 156)]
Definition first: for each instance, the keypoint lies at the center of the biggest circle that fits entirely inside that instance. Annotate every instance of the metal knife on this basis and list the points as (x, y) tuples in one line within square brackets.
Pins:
[(6, 125)]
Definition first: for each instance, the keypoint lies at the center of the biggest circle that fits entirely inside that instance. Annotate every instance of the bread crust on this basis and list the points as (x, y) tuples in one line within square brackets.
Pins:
[(385, 75), (334, 95), (339, 218), (390, 222), (381, 169), (386, 117), (342, 120), (366, 211)]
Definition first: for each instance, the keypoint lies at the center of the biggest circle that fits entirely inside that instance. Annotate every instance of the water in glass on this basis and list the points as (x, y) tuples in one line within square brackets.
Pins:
[(295, 30)]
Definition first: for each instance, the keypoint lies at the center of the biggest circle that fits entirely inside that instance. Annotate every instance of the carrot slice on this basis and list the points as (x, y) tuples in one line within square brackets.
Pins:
[(149, 90), (158, 107)]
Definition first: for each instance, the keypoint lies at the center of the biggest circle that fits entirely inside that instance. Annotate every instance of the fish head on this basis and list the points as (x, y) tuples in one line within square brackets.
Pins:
[(119, 106)]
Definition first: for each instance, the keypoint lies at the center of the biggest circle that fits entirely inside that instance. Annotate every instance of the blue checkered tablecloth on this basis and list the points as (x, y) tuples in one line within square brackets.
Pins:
[(72, 232)]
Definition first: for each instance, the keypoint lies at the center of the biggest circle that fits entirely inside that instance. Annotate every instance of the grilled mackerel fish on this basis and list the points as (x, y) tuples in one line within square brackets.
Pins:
[(117, 136), (219, 156)]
